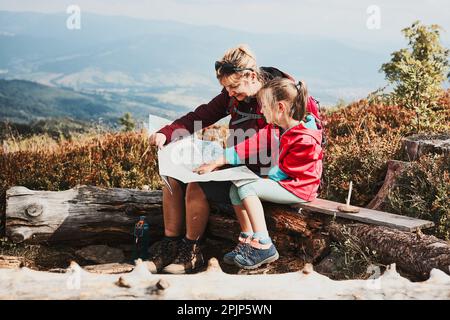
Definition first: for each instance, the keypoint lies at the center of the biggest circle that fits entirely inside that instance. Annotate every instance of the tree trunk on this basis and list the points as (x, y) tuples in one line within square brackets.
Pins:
[(89, 215), (415, 253), (395, 168), (82, 215), (420, 144)]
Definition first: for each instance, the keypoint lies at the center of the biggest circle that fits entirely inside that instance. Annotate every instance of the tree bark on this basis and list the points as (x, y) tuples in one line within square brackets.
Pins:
[(415, 253), (82, 215), (395, 168), (420, 144), (91, 215)]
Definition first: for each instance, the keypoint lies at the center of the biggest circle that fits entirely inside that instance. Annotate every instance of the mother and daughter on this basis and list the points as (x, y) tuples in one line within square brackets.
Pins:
[(286, 122)]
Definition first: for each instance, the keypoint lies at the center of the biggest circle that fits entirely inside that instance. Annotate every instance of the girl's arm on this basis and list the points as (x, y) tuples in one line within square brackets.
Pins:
[(251, 147), (208, 167), (244, 150)]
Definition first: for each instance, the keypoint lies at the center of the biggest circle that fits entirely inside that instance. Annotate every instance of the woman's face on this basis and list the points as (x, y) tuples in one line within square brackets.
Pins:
[(242, 88)]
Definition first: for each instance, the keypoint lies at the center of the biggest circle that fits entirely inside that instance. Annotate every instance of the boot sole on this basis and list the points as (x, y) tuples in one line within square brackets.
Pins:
[(177, 269), (268, 260)]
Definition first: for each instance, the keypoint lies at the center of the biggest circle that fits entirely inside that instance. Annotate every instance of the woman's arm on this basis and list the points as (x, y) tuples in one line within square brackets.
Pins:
[(205, 114)]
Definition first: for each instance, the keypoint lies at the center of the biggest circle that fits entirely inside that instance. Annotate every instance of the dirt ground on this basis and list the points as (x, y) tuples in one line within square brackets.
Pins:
[(46, 258)]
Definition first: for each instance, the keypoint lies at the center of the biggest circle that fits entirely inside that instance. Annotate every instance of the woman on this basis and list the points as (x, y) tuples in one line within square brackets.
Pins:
[(186, 208)]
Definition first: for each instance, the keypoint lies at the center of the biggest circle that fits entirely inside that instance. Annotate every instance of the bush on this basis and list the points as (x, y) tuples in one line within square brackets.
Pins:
[(122, 160), (362, 137), (422, 191)]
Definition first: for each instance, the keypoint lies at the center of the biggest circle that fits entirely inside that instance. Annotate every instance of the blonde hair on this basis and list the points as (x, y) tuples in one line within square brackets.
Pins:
[(283, 89), (241, 57)]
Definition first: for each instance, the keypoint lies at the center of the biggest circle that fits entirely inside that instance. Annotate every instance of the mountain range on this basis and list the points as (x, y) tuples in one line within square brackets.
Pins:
[(127, 63)]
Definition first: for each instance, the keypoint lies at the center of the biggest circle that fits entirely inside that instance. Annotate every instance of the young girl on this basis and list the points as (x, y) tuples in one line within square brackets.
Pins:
[(295, 178)]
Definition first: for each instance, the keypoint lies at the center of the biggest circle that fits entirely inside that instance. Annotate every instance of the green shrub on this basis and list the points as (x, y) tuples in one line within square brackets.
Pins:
[(423, 191)]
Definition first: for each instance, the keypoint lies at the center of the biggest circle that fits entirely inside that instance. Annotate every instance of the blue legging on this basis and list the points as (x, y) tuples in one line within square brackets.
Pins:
[(266, 190)]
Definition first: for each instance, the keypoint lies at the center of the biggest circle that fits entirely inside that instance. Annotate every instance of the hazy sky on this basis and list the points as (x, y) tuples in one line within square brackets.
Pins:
[(344, 20)]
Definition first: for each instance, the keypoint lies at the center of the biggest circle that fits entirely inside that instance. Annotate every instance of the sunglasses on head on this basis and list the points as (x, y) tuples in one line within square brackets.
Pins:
[(229, 68)]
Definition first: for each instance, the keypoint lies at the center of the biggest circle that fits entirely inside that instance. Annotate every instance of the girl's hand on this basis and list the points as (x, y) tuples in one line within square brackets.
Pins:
[(208, 167), (157, 139)]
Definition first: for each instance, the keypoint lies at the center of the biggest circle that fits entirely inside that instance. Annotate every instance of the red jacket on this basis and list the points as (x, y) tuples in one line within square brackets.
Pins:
[(300, 157)]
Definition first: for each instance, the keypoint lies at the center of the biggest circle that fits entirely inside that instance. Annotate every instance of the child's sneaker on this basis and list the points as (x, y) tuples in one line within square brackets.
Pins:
[(244, 241), (256, 254)]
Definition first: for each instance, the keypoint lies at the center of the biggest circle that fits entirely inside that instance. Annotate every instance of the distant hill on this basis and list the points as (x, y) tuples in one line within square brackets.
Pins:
[(24, 101)]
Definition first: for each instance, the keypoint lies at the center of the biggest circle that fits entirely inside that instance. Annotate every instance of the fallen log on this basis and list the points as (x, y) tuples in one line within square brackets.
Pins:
[(76, 283), (415, 253), (91, 215), (82, 215)]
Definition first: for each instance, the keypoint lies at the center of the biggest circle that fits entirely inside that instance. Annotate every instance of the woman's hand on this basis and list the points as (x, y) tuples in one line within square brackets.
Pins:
[(212, 166), (157, 139)]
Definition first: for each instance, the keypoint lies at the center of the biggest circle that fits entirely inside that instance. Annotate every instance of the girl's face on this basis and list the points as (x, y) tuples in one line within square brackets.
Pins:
[(269, 111), (241, 88)]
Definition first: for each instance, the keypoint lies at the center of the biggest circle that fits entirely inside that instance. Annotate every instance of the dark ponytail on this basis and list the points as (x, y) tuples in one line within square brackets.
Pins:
[(298, 110)]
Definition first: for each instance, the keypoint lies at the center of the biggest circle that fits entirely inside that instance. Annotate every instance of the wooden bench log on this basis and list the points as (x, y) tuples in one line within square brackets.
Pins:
[(91, 215), (369, 216)]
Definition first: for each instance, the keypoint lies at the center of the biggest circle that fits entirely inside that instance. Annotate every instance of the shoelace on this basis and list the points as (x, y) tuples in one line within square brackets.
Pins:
[(246, 251), (239, 247), (163, 247), (185, 252)]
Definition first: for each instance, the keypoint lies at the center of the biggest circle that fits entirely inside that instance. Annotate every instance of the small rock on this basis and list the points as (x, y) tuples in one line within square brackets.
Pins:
[(101, 254)]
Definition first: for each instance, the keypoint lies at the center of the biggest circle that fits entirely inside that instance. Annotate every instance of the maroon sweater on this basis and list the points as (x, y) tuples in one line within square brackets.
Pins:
[(220, 107)]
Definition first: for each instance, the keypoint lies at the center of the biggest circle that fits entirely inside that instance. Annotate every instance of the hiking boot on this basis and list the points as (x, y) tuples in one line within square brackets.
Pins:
[(162, 253), (228, 258), (256, 254), (188, 260)]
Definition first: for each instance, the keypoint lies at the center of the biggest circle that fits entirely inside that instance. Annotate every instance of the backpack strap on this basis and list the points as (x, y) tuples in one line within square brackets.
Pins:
[(245, 116)]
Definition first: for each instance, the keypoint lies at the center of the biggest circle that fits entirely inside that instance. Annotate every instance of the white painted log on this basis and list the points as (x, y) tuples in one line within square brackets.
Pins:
[(141, 284)]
